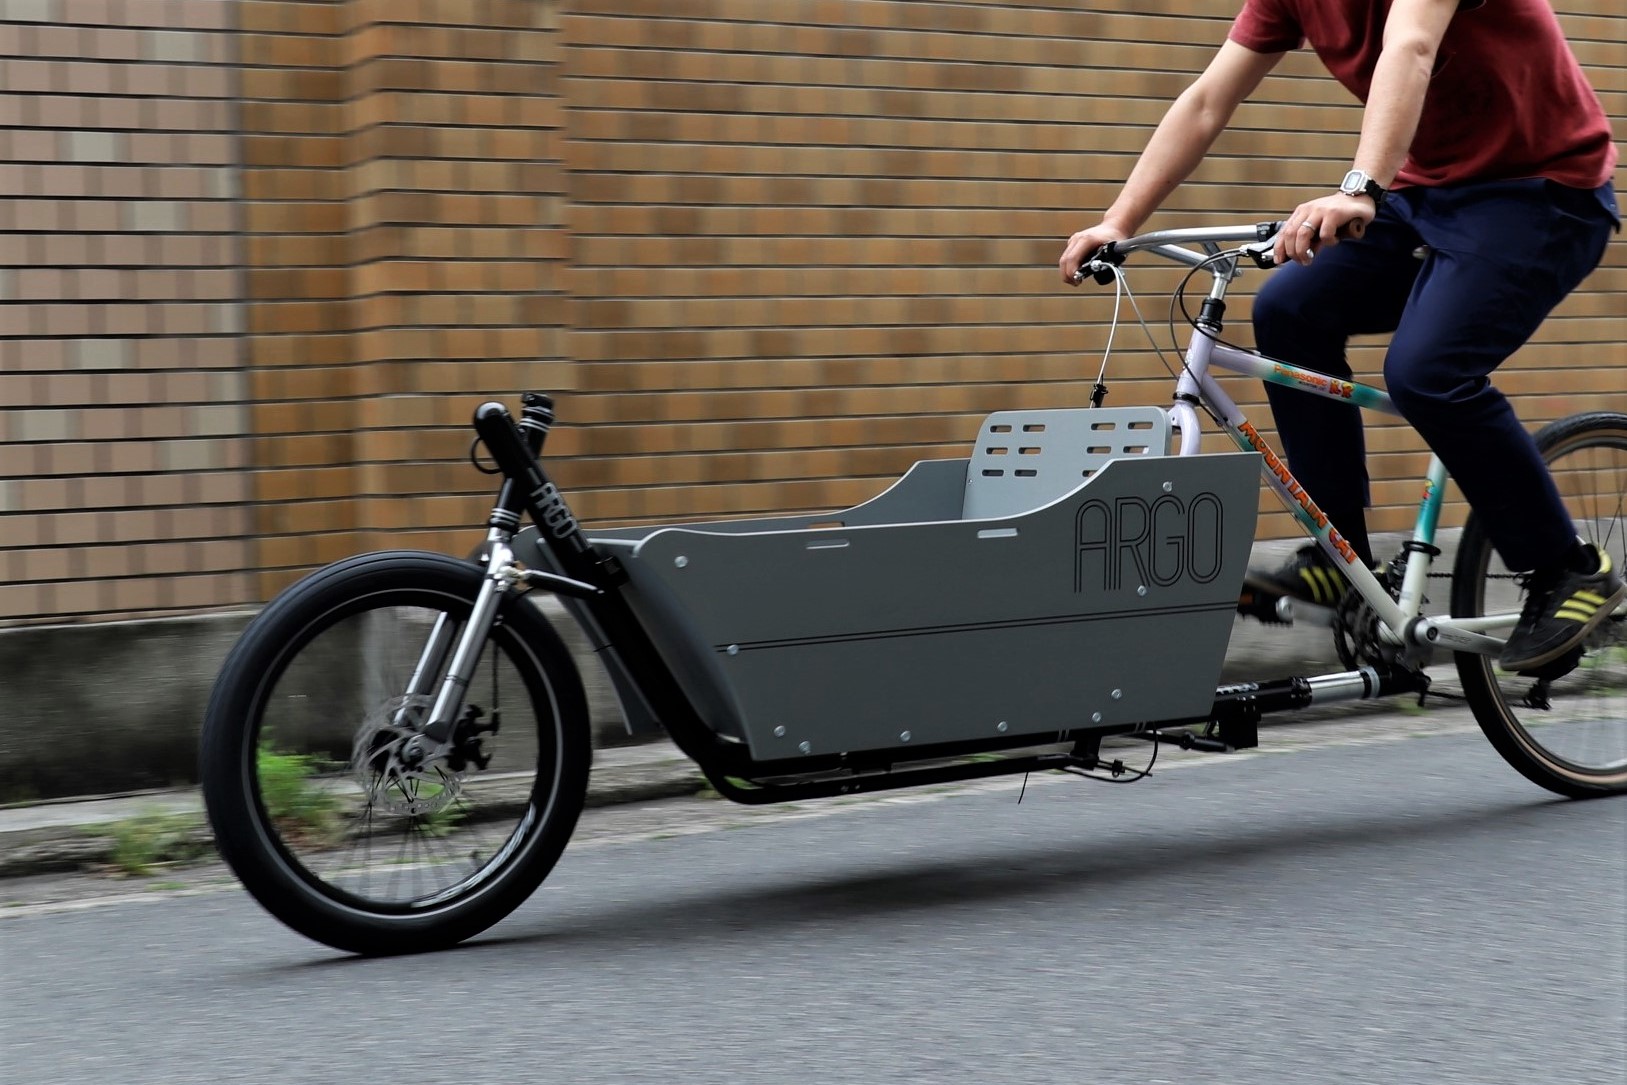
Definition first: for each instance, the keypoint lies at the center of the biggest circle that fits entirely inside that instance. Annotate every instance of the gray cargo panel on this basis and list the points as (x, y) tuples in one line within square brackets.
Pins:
[(1111, 604)]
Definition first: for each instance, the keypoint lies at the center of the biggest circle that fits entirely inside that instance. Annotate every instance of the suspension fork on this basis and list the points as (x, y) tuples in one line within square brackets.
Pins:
[(430, 661), (500, 577)]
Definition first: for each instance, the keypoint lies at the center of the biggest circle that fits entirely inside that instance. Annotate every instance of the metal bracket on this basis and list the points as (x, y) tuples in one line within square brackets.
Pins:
[(559, 585)]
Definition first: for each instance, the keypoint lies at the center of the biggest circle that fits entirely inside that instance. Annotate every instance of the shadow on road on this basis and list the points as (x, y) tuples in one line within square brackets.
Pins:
[(1023, 871)]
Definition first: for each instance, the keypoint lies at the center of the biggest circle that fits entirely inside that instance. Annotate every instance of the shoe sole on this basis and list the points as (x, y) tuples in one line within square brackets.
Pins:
[(1605, 610), (1262, 582), (1265, 582)]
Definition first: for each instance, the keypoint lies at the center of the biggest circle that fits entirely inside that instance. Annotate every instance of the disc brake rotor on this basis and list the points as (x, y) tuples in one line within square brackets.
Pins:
[(394, 782)]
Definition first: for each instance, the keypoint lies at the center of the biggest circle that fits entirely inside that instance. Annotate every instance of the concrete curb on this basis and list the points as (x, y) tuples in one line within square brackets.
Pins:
[(81, 834)]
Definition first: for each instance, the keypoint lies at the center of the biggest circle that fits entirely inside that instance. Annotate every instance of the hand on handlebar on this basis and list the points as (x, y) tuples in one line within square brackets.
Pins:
[(1321, 223), (1082, 246)]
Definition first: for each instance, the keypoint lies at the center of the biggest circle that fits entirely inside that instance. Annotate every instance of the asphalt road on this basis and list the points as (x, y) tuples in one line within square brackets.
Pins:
[(1351, 910)]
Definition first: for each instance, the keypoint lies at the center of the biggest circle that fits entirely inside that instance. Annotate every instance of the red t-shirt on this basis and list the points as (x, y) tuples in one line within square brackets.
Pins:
[(1507, 99)]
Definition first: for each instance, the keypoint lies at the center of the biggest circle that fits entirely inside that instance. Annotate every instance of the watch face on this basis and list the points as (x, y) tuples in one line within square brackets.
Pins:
[(1353, 183)]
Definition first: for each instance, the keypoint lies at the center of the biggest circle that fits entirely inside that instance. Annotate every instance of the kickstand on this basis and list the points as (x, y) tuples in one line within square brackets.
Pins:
[(1430, 691)]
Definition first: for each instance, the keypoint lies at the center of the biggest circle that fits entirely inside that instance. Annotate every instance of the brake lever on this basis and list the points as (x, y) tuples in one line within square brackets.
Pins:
[(1102, 266), (1262, 253)]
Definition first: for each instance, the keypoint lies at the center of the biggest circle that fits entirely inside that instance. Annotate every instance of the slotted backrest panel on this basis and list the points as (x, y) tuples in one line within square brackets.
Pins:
[(1024, 460)]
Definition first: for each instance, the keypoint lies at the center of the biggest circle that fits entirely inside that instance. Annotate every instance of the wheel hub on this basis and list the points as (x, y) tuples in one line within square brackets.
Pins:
[(401, 773)]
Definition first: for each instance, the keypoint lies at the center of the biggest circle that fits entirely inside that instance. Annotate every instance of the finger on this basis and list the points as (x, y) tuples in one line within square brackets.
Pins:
[(1300, 244), (1319, 226), (1329, 234), (1070, 270), (1305, 229), (1282, 250), (1079, 249)]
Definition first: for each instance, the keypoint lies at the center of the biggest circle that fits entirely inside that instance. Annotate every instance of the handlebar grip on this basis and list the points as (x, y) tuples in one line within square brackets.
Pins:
[(1107, 254)]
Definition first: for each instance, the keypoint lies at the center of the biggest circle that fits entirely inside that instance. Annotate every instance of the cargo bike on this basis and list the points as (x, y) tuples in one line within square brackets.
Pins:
[(397, 749)]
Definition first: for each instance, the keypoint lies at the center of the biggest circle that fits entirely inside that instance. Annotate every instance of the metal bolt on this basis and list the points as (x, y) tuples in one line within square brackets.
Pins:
[(904, 736), (1141, 589), (680, 561), (805, 747), (1001, 727), (779, 732), (733, 649), (1118, 694), (1095, 717), (1169, 487)]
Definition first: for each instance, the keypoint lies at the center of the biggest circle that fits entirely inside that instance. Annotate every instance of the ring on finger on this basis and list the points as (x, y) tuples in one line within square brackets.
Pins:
[(1309, 226)]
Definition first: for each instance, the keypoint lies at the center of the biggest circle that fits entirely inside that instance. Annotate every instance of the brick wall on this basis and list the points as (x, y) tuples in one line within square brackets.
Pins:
[(297, 347), (123, 410), (769, 254), (404, 252), (454, 232)]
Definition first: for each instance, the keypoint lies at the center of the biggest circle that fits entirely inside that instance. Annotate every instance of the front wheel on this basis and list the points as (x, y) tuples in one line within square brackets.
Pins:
[(1569, 734), (317, 799)]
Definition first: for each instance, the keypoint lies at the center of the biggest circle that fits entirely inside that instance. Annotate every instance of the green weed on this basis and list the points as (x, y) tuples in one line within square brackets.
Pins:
[(149, 840), (297, 804)]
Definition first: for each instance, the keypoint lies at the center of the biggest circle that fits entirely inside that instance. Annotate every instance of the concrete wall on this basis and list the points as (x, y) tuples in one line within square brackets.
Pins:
[(109, 707)]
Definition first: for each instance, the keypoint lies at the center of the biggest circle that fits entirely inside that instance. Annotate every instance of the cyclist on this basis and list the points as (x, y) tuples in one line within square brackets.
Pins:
[(1481, 143)]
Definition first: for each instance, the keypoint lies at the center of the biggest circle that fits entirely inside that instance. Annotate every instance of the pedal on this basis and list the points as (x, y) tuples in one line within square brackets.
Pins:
[(1300, 612), (1273, 609), (1262, 606)]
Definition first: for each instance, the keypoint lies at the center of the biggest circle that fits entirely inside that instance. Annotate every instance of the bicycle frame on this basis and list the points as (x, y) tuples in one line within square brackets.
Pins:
[(1403, 623)]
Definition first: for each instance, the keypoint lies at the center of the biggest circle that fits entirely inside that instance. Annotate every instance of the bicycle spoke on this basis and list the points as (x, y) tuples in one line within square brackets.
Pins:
[(383, 830)]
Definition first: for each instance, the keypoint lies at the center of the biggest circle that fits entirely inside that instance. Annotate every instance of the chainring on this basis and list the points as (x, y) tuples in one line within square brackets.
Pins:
[(1356, 629)]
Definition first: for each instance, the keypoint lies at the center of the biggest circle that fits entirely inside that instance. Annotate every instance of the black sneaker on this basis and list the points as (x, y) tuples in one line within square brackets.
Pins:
[(1561, 609), (1307, 576)]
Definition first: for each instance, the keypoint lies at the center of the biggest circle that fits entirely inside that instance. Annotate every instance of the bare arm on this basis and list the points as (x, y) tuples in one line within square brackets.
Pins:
[(1412, 37), (1182, 138)]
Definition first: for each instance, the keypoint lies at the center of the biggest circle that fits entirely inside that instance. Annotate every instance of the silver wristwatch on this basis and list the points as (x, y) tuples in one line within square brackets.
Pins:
[(1358, 183)]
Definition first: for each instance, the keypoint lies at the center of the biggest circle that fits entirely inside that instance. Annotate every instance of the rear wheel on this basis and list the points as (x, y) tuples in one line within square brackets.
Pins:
[(1568, 734), (318, 800)]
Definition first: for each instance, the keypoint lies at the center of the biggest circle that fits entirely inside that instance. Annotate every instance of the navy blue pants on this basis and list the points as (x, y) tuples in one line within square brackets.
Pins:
[(1500, 256)]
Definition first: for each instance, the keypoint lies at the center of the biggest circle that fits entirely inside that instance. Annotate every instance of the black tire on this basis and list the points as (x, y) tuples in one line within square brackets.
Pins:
[(313, 812), (1577, 745)]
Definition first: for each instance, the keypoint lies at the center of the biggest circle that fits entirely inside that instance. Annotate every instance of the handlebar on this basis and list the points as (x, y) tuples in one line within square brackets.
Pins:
[(1168, 244)]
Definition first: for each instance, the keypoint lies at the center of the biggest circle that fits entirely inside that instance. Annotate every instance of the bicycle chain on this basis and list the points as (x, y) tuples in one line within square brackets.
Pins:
[(1489, 576)]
